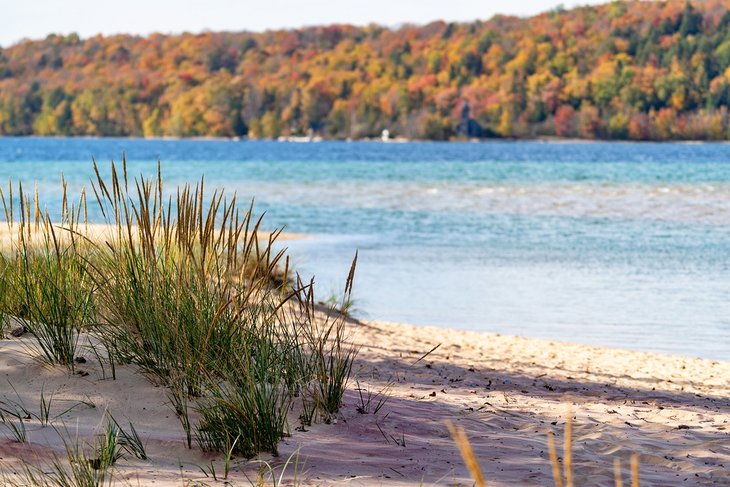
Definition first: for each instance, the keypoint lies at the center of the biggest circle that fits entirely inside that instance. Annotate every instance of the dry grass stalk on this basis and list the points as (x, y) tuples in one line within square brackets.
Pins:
[(557, 478), (617, 472), (568, 450), (462, 442), (634, 470)]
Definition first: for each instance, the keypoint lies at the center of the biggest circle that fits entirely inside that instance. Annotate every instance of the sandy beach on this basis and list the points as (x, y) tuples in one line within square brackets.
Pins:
[(507, 393), (365, 244)]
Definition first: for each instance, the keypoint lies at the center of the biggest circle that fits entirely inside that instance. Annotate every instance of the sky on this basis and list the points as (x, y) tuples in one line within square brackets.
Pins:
[(34, 19)]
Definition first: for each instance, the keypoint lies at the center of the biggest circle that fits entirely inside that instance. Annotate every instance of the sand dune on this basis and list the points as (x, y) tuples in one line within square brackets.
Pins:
[(507, 392)]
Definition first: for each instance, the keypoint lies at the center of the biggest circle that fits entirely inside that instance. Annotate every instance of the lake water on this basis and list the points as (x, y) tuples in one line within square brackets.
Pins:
[(613, 244)]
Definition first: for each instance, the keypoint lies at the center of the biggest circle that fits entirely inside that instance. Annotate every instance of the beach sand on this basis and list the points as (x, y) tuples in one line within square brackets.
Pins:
[(99, 232), (507, 392)]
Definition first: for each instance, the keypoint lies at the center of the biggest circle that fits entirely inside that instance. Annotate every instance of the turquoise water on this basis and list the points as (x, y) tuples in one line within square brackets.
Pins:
[(611, 244)]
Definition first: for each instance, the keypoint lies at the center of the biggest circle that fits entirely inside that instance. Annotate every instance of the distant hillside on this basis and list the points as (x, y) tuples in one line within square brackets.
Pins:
[(634, 70)]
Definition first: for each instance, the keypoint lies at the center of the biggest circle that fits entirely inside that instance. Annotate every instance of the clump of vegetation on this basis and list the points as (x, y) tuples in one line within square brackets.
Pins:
[(82, 466), (47, 285), (128, 440), (14, 421), (249, 409), (76, 470), (189, 289)]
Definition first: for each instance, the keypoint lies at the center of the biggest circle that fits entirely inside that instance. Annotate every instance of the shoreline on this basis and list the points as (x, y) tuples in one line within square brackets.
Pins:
[(99, 231), (569, 342), (507, 392), (547, 341), (300, 140)]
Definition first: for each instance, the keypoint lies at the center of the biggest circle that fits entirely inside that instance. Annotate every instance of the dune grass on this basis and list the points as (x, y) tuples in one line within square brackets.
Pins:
[(81, 466), (189, 289), (45, 283)]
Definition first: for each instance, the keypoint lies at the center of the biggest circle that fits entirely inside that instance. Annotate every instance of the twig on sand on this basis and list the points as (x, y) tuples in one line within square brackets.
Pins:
[(426, 354)]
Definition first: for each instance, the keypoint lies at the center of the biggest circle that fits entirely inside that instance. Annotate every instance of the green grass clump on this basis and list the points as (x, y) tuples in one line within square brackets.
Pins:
[(76, 469), (46, 284), (53, 290), (14, 421), (190, 290), (108, 449), (129, 440), (252, 402)]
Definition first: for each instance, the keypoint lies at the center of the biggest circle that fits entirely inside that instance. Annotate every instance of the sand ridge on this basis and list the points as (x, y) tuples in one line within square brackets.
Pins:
[(507, 392)]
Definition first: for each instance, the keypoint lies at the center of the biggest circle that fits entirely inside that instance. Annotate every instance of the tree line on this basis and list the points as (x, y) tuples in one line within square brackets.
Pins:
[(622, 70)]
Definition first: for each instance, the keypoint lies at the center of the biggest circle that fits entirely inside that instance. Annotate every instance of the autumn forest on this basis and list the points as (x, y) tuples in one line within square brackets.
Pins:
[(633, 70)]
